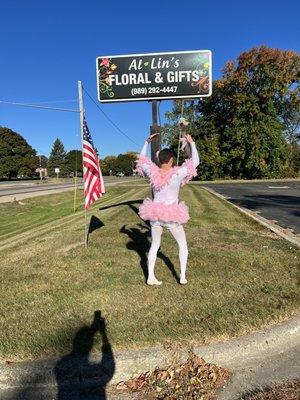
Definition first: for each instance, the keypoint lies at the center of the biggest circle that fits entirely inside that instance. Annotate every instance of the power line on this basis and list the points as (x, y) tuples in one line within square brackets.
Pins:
[(69, 110), (109, 119), (56, 101), (37, 106)]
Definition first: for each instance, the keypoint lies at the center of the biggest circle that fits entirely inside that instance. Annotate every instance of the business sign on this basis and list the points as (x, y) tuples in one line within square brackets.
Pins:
[(185, 74)]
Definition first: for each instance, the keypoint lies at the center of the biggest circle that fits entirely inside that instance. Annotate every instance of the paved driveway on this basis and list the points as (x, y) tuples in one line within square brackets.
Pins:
[(279, 201)]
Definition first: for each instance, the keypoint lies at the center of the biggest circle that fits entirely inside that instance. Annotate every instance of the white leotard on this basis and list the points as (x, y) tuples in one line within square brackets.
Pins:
[(168, 194)]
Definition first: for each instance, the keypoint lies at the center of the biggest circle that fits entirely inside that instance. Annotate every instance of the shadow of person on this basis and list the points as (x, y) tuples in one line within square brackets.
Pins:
[(79, 378), (140, 243)]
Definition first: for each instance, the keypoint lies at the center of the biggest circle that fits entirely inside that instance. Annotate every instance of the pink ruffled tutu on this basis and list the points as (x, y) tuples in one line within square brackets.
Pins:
[(176, 212)]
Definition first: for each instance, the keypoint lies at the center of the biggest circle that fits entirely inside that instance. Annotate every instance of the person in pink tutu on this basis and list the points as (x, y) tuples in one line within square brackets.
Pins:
[(164, 211)]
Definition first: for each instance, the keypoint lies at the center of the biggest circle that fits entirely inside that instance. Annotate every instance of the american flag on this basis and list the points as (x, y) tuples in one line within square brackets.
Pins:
[(92, 176)]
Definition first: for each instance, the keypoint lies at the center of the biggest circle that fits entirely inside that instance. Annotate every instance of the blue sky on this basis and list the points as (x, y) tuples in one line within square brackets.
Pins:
[(47, 46)]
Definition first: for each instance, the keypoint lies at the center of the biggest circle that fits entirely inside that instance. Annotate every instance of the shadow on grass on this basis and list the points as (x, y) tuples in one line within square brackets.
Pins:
[(140, 239), (140, 243), (92, 376), (77, 376), (129, 203), (95, 223)]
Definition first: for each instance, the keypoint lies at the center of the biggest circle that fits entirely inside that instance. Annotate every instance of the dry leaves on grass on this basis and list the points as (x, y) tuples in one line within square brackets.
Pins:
[(192, 380)]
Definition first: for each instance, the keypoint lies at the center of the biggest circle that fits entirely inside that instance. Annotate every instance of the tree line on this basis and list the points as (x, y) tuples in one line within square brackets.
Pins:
[(18, 158)]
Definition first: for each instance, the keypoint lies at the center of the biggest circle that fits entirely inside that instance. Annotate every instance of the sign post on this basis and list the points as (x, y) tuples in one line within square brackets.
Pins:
[(57, 170), (155, 128)]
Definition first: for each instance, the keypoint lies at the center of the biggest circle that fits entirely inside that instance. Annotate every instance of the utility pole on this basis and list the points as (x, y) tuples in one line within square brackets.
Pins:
[(155, 128), (81, 113)]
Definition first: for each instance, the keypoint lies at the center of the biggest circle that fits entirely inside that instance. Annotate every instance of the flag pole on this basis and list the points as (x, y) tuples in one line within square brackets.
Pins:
[(75, 190), (75, 181), (81, 113)]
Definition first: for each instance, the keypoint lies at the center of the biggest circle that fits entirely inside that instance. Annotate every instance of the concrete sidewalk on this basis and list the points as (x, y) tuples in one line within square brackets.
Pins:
[(256, 360)]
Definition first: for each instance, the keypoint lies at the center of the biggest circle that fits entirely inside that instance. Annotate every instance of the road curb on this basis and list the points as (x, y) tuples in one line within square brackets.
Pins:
[(274, 339), (261, 220)]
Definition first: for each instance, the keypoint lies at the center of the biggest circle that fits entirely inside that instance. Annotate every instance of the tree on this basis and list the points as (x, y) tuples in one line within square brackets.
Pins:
[(108, 165), (249, 109), (42, 161), (74, 161), (58, 159), (241, 129), (16, 155), (204, 132), (125, 163), (290, 114)]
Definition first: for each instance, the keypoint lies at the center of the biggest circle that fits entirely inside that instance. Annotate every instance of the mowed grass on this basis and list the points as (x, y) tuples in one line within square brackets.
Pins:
[(241, 277)]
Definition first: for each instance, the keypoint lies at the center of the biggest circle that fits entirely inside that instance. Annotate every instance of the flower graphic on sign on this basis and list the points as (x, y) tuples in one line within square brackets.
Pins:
[(105, 62), (106, 67), (202, 65)]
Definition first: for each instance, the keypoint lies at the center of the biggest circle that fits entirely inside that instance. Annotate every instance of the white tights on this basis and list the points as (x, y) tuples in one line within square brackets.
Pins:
[(179, 235)]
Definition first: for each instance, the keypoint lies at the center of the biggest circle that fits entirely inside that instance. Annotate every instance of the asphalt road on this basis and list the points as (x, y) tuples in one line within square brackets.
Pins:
[(27, 187), (18, 189), (277, 201)]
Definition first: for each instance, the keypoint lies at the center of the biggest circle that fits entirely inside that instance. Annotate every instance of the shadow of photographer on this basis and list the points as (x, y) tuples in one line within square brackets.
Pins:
[(77, 376), (92, 377)]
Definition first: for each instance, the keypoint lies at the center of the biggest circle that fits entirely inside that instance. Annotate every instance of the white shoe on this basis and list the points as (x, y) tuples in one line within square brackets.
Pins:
[(153, 281), (183, 281)]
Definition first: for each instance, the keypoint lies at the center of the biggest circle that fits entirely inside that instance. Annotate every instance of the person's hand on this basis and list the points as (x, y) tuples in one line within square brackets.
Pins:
[(151, 137), (188, 138), (99, 322)]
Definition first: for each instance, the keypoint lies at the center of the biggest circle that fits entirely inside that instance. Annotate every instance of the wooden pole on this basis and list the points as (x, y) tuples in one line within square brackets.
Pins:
[(75, 190), (81, 113)]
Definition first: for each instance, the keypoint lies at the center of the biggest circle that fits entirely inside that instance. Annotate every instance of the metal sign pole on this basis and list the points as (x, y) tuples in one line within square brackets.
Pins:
[(156, 142)]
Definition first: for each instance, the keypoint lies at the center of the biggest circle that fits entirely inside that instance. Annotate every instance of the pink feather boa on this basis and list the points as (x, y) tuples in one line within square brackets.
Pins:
[(176, 212), (192, 172), (139, 164), (159, 178)]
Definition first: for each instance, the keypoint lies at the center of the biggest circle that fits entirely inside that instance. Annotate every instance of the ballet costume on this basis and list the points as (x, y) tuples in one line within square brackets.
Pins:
[(164, 211)]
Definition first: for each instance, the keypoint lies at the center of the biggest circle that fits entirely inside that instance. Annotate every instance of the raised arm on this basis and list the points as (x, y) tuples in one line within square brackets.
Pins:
[(143, 163), (188, 168)]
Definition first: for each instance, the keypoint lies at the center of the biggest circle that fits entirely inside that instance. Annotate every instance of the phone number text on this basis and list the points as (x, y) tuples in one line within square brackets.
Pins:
[(153, 90)]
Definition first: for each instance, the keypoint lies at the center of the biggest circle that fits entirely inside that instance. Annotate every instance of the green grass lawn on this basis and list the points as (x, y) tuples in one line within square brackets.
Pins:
[(240, 276)]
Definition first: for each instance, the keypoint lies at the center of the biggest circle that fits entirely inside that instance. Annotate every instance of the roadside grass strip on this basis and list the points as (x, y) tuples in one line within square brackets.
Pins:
[(241, 277)]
